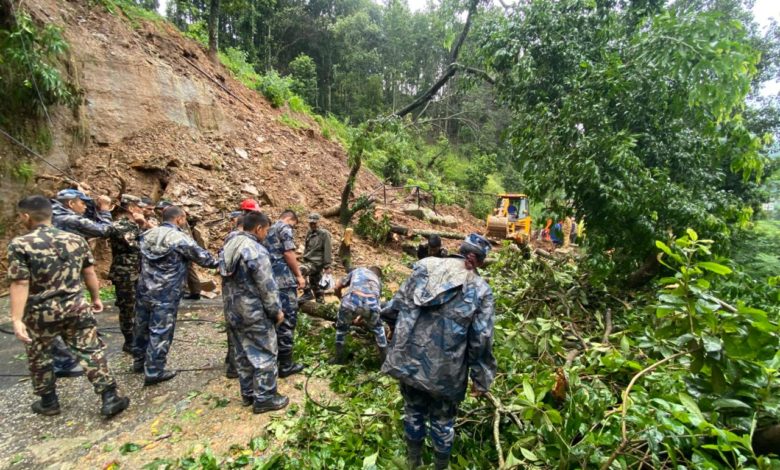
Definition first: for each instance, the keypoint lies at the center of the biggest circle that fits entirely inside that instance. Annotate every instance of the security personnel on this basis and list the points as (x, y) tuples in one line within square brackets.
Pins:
[(280, 244), (69, 213), (360, 302), (251, 301), (126, 261), (46, 267), (432, 248), (443, 335), (165, 253), (317, 259)]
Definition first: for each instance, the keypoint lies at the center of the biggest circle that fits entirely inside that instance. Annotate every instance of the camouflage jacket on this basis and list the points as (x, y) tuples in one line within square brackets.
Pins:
[(165, 252), (317, 248), (65, 219), (125, 249), (444, 329), (249, 292), (362, 280), (52, 260), (279, 240)]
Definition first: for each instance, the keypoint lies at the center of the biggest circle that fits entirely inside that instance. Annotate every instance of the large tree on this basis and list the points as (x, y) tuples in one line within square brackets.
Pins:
[(633, 111)]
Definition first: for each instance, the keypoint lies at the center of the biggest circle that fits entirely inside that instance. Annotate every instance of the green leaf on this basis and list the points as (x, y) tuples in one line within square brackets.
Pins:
[(694, 413), (528, 391), (663, 247), (527, 454), (731, 404), (129, 447), (714, 267), (692, 234), (369, 462)]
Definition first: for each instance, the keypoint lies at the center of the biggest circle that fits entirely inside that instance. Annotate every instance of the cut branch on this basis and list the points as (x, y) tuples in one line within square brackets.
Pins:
[(410, 232)]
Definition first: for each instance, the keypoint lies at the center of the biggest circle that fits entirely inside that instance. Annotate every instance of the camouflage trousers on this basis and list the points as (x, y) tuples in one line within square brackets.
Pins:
[(255, 349), (368, 308), (288, 299), (313, 275), (421, 409), (155, 323), (80, 335), (124, 286)]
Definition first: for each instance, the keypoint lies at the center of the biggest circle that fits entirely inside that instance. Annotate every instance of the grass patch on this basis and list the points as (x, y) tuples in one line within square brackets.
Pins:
[(292, 122)]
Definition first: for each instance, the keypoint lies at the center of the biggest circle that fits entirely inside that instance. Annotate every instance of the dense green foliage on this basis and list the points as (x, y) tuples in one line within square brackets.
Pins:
[(634, 112)]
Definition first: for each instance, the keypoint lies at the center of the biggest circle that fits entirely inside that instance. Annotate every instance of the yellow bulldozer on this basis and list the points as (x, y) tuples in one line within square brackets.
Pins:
[(511, 219)]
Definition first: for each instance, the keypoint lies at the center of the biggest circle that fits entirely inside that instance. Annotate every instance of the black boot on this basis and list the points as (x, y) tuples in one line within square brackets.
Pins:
[(247, 400), (340, 357), (113, 404), (48, 405), (192, 296), (230, 371), (441, 461), (277, 402), (166, 375), (413, 454), (128, 346), (138, 366), (307, 296), (287, 367), (76, 371)]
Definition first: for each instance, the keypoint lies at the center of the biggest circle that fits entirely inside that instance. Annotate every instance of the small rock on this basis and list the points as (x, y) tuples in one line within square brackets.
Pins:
[(241, 153), (250, 189)]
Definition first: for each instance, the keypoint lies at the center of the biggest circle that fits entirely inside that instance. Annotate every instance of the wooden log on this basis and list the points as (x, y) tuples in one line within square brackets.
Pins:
[(323, 311), (410, 232)]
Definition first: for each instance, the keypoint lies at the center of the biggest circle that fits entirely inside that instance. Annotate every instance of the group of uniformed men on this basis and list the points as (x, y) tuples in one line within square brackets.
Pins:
[(442, 314)]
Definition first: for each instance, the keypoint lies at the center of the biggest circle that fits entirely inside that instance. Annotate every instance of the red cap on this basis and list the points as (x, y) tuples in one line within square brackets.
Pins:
[(250, 205)]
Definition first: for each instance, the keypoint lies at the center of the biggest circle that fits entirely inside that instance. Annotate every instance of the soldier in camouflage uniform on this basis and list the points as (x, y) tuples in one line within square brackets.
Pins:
[(252, 309), (443, 335), (317, 259), (126, 262), (70, 214), (364, 287), (46, 268), (280, 244), (165, 253)]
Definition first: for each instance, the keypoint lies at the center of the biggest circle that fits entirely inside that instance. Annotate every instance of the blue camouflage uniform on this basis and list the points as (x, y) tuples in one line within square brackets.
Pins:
[(444, 331), (65, 219), (279, 240), (251, 301), (165, 253), (362, 298)]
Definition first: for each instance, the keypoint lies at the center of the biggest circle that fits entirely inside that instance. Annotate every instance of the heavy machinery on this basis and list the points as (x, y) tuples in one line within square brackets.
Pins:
[(511, 219)]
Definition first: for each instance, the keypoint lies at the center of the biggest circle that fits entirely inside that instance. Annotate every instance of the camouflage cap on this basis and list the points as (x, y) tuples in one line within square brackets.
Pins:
[(477, 244), (163, 204), (68, 194), (314, 218), (127, 199)]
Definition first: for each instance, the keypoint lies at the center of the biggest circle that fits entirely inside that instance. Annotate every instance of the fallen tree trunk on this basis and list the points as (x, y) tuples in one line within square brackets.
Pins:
[(323, 311), (408, 232)]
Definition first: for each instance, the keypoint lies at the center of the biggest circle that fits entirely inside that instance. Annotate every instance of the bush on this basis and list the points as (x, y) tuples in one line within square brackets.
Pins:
[(236, 61), (198, 31), (376, 231), (303, 70), (275, 88)]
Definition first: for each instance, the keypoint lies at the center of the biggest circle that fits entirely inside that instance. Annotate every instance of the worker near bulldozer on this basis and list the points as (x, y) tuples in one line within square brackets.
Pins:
[(443, 335), (360, 302), (126, 261), (69, 213), (432, 248), (166, 252), (251, 301), (280, 243), (317, 259), (46, 268)]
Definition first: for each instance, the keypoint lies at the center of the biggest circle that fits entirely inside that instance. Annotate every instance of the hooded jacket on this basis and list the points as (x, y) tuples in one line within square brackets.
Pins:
[(444, 330), (249, 292), (65, 219), (165, 252)]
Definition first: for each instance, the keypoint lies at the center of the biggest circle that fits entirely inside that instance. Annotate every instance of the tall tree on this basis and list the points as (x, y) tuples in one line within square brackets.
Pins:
[(214, 30)]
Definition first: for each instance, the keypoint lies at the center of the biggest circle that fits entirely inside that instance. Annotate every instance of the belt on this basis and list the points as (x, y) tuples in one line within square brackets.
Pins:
[(366, 296)]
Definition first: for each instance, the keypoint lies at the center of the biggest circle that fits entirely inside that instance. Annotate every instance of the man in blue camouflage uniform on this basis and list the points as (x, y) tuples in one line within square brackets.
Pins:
[(252, 310), (126, 261), (46, 267), (70, 210), (443, 335), (280, 244), (360, 302), (165, 252)]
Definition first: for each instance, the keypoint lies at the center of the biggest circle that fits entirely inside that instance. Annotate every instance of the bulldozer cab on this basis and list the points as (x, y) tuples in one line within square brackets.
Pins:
[(511, 219)]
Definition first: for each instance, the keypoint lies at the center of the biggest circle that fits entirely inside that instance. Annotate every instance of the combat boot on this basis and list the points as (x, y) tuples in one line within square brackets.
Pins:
[(166, 375), (340, 357), (276, 402), (230, 371), (128, 345), (48, 405), (287, 367), (441, 461), (113, 404), (413, 453), (75, 371), (138, 365)]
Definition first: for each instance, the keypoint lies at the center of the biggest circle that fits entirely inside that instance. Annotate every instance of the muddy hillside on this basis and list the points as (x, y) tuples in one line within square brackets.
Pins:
[(159, 119)]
